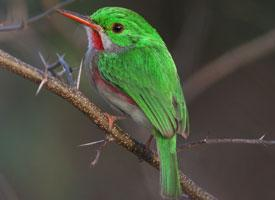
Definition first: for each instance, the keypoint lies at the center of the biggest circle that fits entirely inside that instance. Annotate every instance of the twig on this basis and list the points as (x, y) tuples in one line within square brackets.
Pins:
[(23, 24), (229, 63), (82, 103), (100, 150), (259, 141), (66, 70)]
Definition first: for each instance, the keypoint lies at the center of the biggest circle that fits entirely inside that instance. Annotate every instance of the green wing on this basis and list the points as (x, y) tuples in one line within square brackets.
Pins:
[(149, 76)]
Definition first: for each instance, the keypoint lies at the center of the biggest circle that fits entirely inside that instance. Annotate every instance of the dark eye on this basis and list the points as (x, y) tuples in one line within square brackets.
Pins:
[(117, 28)]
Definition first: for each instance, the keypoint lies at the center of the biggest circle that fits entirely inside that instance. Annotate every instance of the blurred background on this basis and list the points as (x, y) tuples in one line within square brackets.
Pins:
[(39, 136)]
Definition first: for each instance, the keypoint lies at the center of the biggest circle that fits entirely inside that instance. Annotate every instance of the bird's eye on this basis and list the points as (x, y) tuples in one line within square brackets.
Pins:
[(117, 28)]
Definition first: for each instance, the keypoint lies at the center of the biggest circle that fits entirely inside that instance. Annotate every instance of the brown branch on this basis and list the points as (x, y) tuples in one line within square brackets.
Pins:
[(82, 103), (201, 142), (229, 63), (23, 24)]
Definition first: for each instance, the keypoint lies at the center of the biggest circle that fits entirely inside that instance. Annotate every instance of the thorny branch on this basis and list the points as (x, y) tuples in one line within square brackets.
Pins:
[(259, 141), (219, 68), (82, 103), (23, 24)]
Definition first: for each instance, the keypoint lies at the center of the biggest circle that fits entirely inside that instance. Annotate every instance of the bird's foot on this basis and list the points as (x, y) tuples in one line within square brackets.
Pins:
[(112, 119), (103, 144), (149, 142), (147, 146)]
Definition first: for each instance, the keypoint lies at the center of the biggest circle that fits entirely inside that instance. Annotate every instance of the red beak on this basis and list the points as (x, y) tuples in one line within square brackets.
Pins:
[(85, 20)]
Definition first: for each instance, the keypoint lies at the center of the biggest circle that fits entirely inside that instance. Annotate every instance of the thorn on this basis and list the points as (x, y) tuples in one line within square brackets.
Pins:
[(104, 142), (91, 143), (95, 161), (100, 149), (45, 79), (40, 86), (79, 75), (262, 137)]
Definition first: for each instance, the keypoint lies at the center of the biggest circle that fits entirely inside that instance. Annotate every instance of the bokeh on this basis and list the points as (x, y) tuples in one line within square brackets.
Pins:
[(39, 135)]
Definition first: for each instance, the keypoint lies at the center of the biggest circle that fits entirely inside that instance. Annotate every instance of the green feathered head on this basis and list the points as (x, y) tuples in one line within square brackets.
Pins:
[(124, 27), (121, 26)]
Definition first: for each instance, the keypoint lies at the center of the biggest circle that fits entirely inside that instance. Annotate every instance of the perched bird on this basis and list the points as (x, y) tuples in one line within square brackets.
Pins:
[(132, 69)]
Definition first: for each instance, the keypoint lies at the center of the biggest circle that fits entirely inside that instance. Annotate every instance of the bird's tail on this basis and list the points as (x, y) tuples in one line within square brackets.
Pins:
[(169, 171)]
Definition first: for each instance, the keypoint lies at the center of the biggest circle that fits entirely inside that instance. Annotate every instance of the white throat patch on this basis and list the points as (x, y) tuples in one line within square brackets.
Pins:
[(107, 43)]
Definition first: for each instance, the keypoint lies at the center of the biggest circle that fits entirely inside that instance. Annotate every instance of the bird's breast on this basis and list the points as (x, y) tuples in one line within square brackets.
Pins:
[(117, 98), (104, 85)]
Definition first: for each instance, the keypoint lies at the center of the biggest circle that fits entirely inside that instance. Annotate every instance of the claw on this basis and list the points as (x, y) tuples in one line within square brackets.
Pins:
[(112, 119), (149, 141)]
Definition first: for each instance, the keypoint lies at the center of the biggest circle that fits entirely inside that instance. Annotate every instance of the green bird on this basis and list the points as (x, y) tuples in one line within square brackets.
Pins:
[(131, 67)]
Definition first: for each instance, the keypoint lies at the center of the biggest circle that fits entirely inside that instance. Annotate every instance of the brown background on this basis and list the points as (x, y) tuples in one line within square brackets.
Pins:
[(39, 157)]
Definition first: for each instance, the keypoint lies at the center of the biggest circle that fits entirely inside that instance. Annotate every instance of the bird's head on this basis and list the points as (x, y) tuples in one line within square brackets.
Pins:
[(114, 27)]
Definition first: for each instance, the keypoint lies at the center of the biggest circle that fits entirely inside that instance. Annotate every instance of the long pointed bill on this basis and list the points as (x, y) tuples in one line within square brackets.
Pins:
[(85, 20)]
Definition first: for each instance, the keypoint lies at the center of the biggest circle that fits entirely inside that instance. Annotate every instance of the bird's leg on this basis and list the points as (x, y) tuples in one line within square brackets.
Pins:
[(149, 142), (147, 146), (103, 144), (112, 119), (107, 140)]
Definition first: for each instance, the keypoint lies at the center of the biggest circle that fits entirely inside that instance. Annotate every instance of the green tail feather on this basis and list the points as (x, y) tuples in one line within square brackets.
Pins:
[(169, 172)]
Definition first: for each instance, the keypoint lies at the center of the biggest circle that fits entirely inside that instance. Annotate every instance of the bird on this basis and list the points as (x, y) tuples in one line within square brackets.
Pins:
[(131, 67)]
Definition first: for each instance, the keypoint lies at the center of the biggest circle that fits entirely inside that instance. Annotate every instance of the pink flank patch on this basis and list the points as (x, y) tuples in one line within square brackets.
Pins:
[(103, 84)]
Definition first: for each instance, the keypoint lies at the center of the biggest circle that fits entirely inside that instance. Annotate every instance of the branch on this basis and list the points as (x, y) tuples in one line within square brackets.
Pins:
[(201, 142), (229, 63), (23, 24), (82, 103)]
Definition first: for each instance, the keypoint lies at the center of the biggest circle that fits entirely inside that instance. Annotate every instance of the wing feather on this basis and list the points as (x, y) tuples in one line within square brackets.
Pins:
[(149, 76)]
